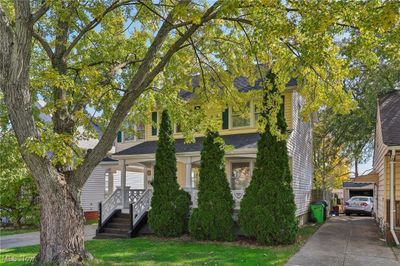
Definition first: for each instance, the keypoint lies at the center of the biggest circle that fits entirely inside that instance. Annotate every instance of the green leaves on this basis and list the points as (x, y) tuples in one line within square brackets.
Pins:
[(60, 148), (18, 192)]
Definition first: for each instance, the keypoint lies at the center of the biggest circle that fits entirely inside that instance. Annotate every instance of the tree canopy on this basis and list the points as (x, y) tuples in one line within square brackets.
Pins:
[(89, 55)]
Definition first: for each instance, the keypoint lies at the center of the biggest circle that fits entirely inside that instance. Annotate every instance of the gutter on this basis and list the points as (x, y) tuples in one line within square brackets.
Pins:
[(392, 200)]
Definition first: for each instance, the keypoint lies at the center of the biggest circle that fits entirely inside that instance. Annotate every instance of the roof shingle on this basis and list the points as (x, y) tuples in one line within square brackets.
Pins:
[(389, 109), (238, 141)]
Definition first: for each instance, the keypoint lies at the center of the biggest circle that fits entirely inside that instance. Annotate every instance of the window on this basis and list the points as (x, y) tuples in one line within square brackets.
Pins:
[(238, 120), (129, 134), (154, 120), (240, 175), (140, 131), (132, 133)]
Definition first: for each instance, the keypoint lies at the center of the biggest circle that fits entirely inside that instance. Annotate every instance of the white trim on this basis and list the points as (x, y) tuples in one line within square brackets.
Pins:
[(230, 119), (108, 163)]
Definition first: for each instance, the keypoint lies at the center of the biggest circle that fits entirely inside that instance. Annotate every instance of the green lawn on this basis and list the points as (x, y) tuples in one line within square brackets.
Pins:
[(151, 251)]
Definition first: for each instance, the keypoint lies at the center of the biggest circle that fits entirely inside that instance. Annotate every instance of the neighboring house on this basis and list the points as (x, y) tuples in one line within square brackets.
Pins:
[(133, 162), (386, 163)]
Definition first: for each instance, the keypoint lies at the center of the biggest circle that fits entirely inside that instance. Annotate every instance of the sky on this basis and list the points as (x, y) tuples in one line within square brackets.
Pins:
[(364, 168)]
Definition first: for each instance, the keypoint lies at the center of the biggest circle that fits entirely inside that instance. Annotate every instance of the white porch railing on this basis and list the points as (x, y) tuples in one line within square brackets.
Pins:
[(140, 207), (134, 195), (237, 196), (110, 204), (140, 200), (114, 202)]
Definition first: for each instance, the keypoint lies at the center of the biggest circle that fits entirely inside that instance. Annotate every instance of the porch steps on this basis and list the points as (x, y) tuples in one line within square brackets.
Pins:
[(119, 227)]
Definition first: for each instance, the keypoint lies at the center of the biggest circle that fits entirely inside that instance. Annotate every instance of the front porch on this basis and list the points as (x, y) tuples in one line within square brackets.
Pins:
[(129, 201), (238, 168), (124, 211)]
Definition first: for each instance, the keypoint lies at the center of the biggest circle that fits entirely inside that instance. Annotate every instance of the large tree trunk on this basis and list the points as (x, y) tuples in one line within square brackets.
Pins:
[(62, 223)]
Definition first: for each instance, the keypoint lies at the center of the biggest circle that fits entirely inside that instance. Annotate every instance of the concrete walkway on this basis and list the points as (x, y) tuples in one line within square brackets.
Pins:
[(345, 240), (33, 238)]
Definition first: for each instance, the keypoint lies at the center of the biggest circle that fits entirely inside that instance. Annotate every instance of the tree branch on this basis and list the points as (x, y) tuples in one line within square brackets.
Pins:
[(44, 44), (241, 20), (40, 12), (93, 23), (6, 40), (139, 83)]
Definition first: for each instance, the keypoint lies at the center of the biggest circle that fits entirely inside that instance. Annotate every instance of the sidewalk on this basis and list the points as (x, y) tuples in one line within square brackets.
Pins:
[(33, 238), (346, 241)]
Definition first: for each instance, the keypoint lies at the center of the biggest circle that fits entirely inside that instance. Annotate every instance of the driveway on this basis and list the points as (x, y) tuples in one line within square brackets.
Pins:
[(33, 238), (345, 240)]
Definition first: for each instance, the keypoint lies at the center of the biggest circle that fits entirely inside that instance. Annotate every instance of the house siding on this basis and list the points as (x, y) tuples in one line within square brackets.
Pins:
[(94, 189), (134, 180), (300, 152), (380, 165), (217, 114), (299, 146)]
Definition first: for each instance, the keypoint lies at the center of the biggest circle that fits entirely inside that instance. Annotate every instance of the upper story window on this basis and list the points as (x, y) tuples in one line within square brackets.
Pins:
[(239, 119), (178, 128), (140, 131), (131, 134)]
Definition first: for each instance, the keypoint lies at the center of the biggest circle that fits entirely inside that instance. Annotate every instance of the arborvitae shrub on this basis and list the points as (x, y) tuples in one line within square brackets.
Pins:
[(168, 216), (267, 211), (212, 220)]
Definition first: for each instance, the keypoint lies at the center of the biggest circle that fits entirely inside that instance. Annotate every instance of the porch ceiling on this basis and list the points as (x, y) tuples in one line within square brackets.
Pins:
[(239, 141)]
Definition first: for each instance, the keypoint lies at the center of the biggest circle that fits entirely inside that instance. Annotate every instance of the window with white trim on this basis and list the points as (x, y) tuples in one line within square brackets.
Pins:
[(239, 119)]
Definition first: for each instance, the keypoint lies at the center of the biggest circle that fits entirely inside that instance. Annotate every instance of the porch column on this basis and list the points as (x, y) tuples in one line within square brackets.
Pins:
[(110, 182), (145, 179), (151, 175), (188, 166), (123, 186)]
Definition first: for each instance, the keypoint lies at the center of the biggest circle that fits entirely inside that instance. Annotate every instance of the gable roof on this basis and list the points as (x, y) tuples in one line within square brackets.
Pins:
[(239, 141), (389, 109)]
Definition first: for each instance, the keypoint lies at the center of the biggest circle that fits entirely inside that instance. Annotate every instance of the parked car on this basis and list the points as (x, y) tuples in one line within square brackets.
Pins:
[(359, 205)]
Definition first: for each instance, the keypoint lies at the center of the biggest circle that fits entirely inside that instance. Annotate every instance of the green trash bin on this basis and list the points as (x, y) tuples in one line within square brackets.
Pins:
[(317, 211)]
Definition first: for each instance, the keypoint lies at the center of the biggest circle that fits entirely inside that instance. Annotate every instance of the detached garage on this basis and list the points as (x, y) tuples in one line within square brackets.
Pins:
[(351, 189), (363, 185)]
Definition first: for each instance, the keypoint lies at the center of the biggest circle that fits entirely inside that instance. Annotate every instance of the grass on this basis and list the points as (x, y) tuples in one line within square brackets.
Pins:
[(14, 231), (88, 222), (153, 251)]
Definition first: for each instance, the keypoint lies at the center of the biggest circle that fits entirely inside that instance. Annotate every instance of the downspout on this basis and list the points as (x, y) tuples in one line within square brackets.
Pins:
[(392, 200)]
